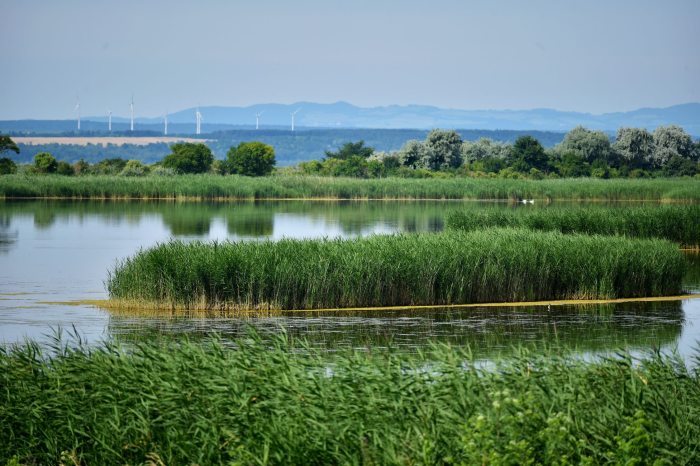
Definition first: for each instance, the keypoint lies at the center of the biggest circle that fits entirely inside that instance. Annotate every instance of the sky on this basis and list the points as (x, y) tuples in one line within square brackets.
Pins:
[(589, 55)]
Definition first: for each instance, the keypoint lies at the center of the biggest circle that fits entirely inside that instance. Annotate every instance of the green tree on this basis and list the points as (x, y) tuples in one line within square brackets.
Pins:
[(635, 146), (350, 149), (64, 168), (528, 153), (411, 154), (189, 157), (251, 159), (443, 150), (587, 145), (134, 168), (483, 148), (8, 145), (7, 166), (671, 141), (81, 167), (45, 163)]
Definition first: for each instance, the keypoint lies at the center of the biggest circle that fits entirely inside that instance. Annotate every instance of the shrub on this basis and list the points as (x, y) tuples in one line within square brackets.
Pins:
[(251, 159), (7, 166), (188, 157), (45, 163)]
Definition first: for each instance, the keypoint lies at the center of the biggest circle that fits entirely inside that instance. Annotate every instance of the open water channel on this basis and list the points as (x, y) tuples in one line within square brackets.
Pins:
[(54, 254)]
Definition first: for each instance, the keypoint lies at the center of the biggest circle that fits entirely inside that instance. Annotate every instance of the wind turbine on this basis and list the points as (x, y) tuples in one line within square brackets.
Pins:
[(77, 109), (257, 119), (165, 120), (132, 112), (198, 118), (293, 115), (109, 120)]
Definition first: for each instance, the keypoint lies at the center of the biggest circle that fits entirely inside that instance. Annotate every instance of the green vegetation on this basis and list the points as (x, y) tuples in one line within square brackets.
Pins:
[(187, 157), (421, 269), (675, 223), (45, 163), (7, 166), (309, 187), (250, 159), (269, 402)]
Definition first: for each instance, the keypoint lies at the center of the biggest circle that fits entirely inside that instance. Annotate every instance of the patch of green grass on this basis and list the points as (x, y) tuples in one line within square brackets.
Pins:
[(496, 265), (240, 187), (675, 223), (270, 403)]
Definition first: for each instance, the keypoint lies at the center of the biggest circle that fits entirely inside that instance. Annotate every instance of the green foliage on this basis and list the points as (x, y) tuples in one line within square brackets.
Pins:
[(635, 146), (674, 223), (443, 150), (134, 168), (587, 145), (236, 187), (7, 166), (421, 269), (81, 167), (188, 157), (65, 169), (251, 159), (109, 166), (411, 154), (45, 163), (283, 403), (351, 149), (8, 145), (527, 153)]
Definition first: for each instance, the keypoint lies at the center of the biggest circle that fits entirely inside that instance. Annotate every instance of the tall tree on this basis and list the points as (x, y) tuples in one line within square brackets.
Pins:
[(350, 149), (8, 145), (635, 146), (586, 144), (250, 159), (528, 153), (189, 157), (443, 150), (670, 141)]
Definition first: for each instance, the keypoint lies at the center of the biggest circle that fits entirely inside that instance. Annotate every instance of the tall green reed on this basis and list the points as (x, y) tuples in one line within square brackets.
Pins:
[(423, 269)]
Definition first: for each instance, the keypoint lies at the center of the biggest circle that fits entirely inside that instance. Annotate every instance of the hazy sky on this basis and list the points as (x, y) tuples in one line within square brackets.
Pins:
[(587, 55)]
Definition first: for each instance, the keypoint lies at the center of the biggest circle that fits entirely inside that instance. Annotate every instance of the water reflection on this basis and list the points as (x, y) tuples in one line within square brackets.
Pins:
[(7, 235), (485, 330)]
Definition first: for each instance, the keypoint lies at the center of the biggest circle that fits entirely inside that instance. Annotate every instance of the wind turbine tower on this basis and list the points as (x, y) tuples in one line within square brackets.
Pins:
[(77, 110), (257, 119), (109, 120), (293, 115), (165, 120), (198, 118), (132, 112)]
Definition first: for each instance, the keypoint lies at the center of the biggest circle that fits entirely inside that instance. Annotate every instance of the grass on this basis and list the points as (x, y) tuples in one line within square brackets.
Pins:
[(270, 403), (497, 265), (309, 187), (672, 222)]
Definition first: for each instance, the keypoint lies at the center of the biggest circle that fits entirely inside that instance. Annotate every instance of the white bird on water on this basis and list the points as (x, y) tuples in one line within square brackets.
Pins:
[(527, 201)]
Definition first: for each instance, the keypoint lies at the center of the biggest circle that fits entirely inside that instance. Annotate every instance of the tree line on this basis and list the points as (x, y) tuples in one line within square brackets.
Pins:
[(247, 158), (635, 152)]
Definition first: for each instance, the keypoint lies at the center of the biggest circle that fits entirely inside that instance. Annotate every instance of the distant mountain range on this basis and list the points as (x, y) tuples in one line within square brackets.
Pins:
[(345, 115)]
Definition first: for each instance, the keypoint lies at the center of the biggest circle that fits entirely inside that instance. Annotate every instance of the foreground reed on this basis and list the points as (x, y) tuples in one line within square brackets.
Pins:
[(675, 223), (309, 187), (269, 403), (425, 269)]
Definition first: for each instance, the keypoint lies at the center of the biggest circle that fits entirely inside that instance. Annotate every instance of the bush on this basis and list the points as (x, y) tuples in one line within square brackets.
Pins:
[(188, 157), (251, 159), (7, 166), (45, 163), (134, 168), (64, 168)]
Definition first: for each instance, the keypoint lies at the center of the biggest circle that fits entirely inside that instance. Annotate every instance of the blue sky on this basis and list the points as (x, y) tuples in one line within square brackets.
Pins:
[(592, 56)]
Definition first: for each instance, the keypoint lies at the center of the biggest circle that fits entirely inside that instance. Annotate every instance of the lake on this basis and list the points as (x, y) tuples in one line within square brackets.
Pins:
[(55, 253)]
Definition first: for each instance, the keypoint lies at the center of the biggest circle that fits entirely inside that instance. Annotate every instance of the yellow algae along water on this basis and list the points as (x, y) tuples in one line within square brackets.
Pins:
[(53, 252)]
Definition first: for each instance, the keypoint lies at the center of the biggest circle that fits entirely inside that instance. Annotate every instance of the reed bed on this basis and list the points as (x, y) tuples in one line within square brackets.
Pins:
[(498, 265), (270, 403), (309, 187), (679, 223)]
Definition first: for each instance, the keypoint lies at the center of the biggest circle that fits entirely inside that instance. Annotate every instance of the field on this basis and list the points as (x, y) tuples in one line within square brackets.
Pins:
[(311, 187), (281, 403), (672, 222), (498, 265), (100, 141)]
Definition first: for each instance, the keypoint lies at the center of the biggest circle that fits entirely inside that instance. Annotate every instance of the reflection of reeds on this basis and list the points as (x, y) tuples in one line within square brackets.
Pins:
[(675, 223), (198, 187), (182, 403), (398, 270)]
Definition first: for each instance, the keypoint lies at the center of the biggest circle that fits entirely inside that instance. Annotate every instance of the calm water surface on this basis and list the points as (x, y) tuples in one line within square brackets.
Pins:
[(57, 251)]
